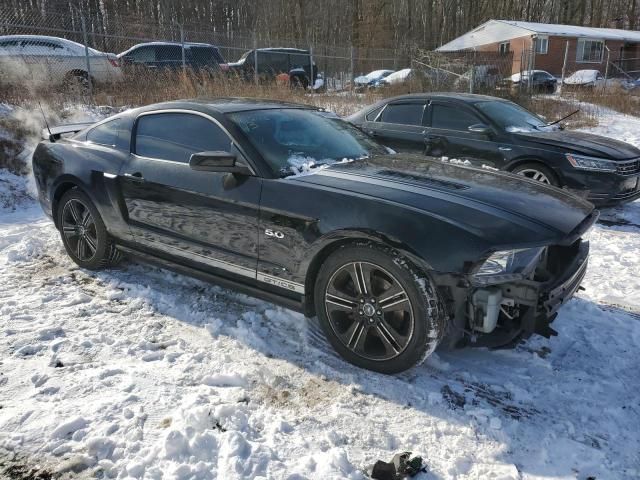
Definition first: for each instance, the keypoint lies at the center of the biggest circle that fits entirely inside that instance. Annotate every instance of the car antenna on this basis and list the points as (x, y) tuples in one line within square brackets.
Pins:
[(563, 118), (46, 123)]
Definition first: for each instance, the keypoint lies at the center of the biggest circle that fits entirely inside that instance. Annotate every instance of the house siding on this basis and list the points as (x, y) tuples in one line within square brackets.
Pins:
[(553, 60)]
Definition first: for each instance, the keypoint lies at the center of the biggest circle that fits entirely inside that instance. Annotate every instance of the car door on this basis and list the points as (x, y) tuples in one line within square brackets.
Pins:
[(38, 55), (169, 57), (208, 218), (399, 125), (449, 135)]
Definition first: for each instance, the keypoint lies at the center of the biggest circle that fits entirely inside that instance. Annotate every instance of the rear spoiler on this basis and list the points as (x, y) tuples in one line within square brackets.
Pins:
[(53, 134)]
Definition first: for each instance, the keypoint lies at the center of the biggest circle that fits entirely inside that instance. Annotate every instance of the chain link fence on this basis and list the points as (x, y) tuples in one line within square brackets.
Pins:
[(133, 61)]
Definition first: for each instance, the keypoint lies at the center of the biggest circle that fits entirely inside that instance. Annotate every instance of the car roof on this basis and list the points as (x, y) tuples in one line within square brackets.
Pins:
[(283, 50), (457, 96), (224, 105), (186, 44)]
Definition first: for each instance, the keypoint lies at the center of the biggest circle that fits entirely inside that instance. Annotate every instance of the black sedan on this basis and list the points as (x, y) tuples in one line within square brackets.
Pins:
[(395, 254), (501, 134)]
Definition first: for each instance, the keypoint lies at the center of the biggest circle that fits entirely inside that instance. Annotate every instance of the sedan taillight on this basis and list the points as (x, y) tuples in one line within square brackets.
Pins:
[(115, 62)]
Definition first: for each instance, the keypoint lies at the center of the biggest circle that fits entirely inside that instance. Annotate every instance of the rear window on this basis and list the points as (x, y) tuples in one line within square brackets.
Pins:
[(206, 55), (403, 113), (105, 133)]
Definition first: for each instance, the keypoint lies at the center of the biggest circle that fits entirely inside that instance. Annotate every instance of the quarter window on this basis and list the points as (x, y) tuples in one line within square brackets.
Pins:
[(589, 50), (403, 113), (450, 118), (371, 116), (105, 133), (176, 136)]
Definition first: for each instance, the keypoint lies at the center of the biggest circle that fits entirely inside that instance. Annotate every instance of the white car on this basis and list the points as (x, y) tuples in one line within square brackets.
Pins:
[(372, 78), (585, 78), (40, 60), (401, 76)]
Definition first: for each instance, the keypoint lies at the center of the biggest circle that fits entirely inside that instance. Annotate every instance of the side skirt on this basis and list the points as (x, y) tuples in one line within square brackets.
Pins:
[(251, 290)]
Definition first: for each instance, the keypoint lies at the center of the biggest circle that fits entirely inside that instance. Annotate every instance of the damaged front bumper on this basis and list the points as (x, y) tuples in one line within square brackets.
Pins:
[(501, 315)]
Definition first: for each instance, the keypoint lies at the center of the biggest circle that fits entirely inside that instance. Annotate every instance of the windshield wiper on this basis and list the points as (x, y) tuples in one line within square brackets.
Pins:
[(563, 118)]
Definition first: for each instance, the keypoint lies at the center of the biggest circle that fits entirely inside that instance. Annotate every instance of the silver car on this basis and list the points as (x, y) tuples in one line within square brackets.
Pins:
[(41, 61)]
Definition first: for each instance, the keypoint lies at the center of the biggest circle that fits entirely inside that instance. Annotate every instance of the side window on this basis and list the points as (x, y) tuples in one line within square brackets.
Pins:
[(273, 62), (176, 136), (371, 116), (450, 118), (299, 60), (143, 54), (169, 53), (105, 133), (204, 55), (403, 113)]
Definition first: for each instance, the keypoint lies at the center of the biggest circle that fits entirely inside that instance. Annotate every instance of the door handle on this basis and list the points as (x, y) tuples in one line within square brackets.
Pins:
[(134, 177)]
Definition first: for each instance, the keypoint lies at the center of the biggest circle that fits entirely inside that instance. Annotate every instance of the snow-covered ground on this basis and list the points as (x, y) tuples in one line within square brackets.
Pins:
[(141, 373)]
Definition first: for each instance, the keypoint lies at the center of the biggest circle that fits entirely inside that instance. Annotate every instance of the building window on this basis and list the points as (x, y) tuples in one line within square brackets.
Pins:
[(542, 44), (589, 50), (503, 48)]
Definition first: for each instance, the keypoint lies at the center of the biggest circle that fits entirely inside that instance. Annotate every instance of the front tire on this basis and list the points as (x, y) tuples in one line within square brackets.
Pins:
[(83, 232), (538, 172), (377, 310)]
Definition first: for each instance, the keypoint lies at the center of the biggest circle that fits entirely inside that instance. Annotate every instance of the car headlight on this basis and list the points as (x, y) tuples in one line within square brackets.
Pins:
[(591, 163), (507, 266)]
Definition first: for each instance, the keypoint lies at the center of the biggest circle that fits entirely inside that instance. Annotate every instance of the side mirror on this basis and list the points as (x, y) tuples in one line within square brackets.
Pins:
[(480, 128), (216, 161)]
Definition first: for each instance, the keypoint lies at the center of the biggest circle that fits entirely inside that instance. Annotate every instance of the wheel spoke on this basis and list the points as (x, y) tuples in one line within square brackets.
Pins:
[(358, 334), (80, 248), (389, 342), (69, 231), (393, 300), (87, 219), (361, 279), (340, 302), (74, 212), (91, 243)]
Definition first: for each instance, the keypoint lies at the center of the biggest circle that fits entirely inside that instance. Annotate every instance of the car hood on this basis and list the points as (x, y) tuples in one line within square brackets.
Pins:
[(479, 200), (584, 143)]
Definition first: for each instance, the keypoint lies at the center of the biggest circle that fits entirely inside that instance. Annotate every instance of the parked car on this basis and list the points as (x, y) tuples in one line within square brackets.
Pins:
[(484, 77), (501, 134), (397, 78), (53, 61), (585, 79), (198, 57), (294, 62), (371, 79), (426, 252), (540, 80)]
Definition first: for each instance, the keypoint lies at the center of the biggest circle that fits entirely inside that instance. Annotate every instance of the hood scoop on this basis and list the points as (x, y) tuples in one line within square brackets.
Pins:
[(417, 180)]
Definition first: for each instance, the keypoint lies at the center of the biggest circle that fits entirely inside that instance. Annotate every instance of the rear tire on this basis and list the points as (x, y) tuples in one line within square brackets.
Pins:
[(538, 172), (377, 310), (83, 232)]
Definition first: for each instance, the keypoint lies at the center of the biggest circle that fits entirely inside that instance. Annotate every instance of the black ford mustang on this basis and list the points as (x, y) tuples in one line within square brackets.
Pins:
[(498, 133), (394, 253)]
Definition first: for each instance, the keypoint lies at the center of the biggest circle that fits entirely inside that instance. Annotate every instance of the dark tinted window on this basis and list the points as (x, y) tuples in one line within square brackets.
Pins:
[(404, 113), (169, 53), (41, 43), (451, 118), (176, 136), (143, 54), (272, 62), (299, 60), (205, 55), (105, 134), (9, 43)]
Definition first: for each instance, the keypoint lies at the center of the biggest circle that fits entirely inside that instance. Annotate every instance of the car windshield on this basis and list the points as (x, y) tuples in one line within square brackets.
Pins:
[(513, 118), (296, 140)]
